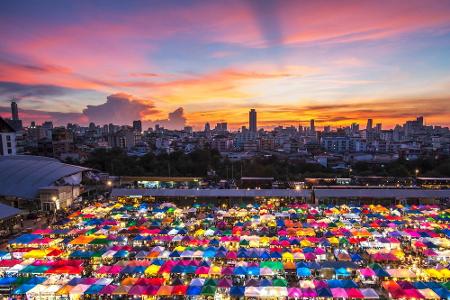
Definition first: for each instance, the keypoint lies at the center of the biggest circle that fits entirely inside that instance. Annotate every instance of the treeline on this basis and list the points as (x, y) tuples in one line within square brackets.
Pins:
[(199, 162)]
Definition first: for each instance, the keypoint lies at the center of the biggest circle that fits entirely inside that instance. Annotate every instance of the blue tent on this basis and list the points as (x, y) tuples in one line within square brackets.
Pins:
[(158, 262), (7, 280), (347, 284), (240, 271), (253, 271), (265, 282), (190, 269), (420, 285), (36, 280), (334, 283), (342, 272), (265, 255), (275, 255), (94, 289), (442, 292), (381, 273), (121, 254), (23, 289), (324, 292), (25, 238), (237, 291), (356, 257), (194, 290), (303, 272)]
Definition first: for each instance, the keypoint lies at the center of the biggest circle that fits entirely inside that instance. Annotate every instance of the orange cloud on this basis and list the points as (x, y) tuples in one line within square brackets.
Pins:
[(340, 114)]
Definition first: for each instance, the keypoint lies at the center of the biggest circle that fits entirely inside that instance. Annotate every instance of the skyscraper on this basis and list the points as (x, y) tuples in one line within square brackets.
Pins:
[(14, 111), (312, 127), (137, 125), (369, 124), (252, 120)]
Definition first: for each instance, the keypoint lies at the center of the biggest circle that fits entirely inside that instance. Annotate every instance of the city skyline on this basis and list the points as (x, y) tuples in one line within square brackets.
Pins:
[(188, 63)]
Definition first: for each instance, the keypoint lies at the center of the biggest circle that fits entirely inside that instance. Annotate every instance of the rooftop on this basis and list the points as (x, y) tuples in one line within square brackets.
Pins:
[(23, 175)]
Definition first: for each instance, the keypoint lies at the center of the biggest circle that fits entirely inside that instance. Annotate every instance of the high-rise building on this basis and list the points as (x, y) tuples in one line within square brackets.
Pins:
[(137, 125), (14, 111), (222, 127), (369, 124), (355, 127), (252, 122), (7, 139), (312, 127), (207, 127), (378, 127)]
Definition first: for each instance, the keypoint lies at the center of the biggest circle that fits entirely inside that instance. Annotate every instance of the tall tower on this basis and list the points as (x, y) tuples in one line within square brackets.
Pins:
[(252, 120), (312, 127), (14, 111), (369, 124)]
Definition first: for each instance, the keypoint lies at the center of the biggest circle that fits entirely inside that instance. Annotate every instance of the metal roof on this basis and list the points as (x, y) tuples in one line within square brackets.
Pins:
[(22, 175), (319, 193), (7, 211), (212, 192), (381, 193)]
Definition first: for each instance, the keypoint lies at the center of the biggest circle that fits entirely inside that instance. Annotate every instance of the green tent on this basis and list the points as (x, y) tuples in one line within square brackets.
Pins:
[(208, 290), (210, 282), (100, 242), (279, 282)]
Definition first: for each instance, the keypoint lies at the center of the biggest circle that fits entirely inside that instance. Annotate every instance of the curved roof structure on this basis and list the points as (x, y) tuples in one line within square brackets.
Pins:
[(22, 175)]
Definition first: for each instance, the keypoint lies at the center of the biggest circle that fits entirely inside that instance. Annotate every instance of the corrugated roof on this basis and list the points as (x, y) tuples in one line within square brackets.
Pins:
[(212, 192), (22, 175), (7, 211)]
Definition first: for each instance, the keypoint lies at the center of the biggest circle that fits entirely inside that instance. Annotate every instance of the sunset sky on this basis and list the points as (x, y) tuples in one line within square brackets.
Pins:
[(336, 61)]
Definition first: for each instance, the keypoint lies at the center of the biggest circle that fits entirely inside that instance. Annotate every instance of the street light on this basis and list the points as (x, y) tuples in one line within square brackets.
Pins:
[(109, 183), (417, 172)]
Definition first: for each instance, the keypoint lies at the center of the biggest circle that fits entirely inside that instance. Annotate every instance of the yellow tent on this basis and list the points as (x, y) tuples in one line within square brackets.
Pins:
[(287, 256), (36, 253), (152, 270)]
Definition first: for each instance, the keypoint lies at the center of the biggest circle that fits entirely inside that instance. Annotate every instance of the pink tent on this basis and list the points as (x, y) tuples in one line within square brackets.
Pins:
[(202, 270), (138, 290), (413, 293), (115, 270), (294, 293), (429, 252), (309, 293), (367, 272), (108, 290), (354, 293), (227, 271), (339, 293), (319, 251)]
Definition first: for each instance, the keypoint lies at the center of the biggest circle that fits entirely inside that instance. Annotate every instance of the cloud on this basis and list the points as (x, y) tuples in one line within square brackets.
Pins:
[(175, 120), (39, 116), (18, 90), (144, 74), (120, 108)]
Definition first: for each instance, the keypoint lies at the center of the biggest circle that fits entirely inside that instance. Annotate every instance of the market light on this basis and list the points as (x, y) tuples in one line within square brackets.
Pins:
[(109, 183)]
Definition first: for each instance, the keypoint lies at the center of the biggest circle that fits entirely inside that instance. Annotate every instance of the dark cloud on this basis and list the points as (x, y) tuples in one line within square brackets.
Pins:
[(267, 17), (18, 90), (120, 108), (39, 116), (35, 68)]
